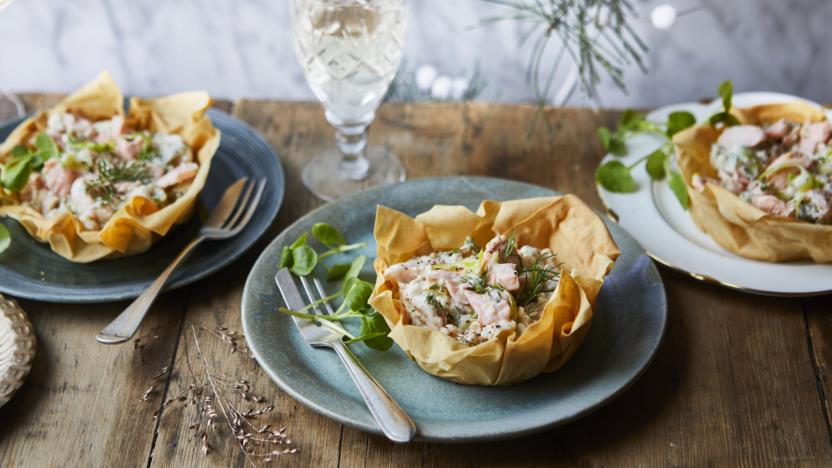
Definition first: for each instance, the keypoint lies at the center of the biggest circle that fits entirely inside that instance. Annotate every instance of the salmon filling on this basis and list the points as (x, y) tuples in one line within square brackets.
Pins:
[(97, 167), (784, 168), (473, 294)]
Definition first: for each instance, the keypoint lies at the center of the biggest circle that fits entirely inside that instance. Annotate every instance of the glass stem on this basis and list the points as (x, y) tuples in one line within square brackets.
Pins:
[(352, 141)]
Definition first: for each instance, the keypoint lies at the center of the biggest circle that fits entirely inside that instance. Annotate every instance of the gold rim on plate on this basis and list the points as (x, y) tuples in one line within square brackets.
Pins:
[(613, 216), (17, 348)]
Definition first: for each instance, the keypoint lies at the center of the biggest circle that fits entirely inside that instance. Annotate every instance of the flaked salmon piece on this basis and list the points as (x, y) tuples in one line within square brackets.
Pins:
[(58, 179), (792, 157), (741, 135), (179, 174), (492, 250), (108, 130), (772, 205), (813, 135), (401, 272), (491, 307), (128, 149), (504, 274), (778, 129)]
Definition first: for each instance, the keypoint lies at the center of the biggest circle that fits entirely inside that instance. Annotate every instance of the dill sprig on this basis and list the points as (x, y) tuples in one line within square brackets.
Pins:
[(595, 34), (537, 275), (108, 174), (433, 301), (511, 244)]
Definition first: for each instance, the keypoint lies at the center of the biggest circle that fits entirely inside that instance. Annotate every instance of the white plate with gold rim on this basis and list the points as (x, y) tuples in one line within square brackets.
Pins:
[(654, 217)]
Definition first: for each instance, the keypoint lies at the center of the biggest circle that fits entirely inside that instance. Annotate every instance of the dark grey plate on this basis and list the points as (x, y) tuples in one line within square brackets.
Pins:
[(31, 270), (629, 321)]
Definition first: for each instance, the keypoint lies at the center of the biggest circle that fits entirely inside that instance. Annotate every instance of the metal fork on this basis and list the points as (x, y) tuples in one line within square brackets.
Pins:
[(389, 416), (231, 215)]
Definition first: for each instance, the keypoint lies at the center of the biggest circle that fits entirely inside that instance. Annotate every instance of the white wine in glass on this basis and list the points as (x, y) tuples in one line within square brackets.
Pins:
[(10, 105), (350, 51)]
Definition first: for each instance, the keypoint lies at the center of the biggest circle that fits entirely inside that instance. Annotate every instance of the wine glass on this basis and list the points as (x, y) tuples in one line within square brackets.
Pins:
[(350, 51), (10, 104)]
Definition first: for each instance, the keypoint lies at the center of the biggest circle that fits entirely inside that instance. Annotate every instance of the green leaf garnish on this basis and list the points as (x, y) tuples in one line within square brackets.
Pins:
[(374, 330), (615, 177), (299, 241), (286, 257), (355, 267), (655, 164), (19, 151), (16, 173), (725, 117), (677, 184), (358, 295), (46, 147), (5, 238), (726, 92), (337, 271), (304, 260), (678, 121), (328, 235)]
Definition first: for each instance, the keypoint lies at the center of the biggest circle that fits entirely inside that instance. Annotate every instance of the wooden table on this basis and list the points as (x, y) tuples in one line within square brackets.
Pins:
[(739, 379)]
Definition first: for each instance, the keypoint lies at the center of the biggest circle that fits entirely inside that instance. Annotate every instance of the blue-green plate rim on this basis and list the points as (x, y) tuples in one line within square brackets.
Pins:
[(250, 235), (502, 434)]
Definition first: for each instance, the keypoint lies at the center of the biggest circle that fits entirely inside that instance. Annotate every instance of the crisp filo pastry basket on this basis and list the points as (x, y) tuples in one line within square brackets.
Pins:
[(563, 223), (139, 222), (734, 224)]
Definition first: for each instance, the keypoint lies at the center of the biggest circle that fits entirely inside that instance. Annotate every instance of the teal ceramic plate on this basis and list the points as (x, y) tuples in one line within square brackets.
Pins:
[(31, 270), (627, 327)]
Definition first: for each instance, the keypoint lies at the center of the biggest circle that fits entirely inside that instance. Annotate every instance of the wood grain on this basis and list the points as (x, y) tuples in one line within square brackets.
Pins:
[(740, 380), (819, 324)]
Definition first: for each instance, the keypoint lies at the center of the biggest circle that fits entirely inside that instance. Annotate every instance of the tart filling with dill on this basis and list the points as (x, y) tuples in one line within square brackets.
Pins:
[(92, 168), (491, 297), (96, 179), (473, 294), (762, 188)]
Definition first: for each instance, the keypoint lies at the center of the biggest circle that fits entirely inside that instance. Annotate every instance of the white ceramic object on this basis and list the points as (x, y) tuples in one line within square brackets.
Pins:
[(17, 348), (654, 217)]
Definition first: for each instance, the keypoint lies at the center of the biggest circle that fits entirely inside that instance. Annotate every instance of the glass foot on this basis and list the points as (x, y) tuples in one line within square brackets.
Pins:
[(10, 107), (325, 177)]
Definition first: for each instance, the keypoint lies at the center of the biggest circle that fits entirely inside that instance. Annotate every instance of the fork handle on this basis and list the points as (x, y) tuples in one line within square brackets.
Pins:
[(394, 422), (125, 325)]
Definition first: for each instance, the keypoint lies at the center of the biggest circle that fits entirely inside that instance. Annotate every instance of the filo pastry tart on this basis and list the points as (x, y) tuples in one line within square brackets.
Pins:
[(94, 182), (763, 189), (494, 297)]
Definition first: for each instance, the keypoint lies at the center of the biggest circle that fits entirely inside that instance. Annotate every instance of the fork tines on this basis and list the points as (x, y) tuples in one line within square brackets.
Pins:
[(244, 208), (311, 296)]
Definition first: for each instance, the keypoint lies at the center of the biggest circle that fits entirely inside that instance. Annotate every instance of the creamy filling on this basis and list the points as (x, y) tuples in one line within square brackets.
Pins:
[(100, 166), (473, 295), (784, 168)]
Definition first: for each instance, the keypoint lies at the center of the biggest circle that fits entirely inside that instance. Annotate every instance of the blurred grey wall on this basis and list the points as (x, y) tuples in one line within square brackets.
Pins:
[(242, 48)]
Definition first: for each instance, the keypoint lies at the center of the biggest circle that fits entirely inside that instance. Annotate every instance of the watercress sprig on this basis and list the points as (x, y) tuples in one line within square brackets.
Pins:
[(302, 259), (615, 176), (25, 160)]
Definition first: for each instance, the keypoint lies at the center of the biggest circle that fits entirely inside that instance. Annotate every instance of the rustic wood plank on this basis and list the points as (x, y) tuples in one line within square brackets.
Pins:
[(81, 405), (819, 323)]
